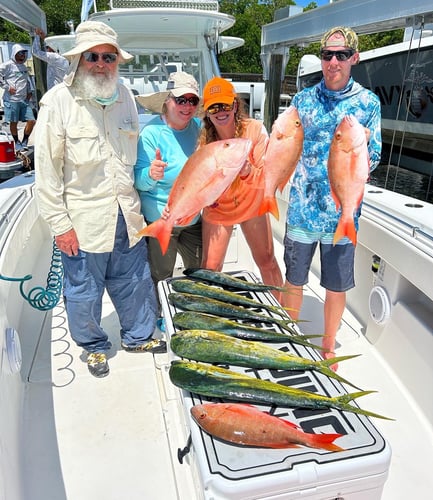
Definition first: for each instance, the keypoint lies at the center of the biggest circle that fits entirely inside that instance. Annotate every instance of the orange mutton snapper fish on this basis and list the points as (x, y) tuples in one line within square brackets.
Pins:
[(207, 173), (348, 171), (281, 157), (245, 424)]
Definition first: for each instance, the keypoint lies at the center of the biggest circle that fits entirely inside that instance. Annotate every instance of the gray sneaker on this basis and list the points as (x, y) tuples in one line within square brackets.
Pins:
[(97, 364)]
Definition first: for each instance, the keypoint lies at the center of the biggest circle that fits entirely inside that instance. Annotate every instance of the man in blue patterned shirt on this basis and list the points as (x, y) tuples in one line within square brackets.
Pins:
[(312, 216)]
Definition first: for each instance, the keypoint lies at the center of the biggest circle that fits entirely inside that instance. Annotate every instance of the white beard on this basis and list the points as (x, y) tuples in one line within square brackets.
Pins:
[(95, 86)]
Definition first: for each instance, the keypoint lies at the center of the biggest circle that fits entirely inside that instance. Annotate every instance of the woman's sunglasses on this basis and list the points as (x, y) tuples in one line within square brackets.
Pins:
[(216, 108), (183, 101), (107, 57), (341, 55)]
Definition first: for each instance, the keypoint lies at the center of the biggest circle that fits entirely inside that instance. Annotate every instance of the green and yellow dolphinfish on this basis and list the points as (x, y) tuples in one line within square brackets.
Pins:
[(196, 288), (215, 347), (216, 382), (225, 279), (191, 302), (193, 320)]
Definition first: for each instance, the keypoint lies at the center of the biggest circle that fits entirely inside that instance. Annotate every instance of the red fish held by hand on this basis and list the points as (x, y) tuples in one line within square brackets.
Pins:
[(282, 155), (348, 170), (246, 425), (208, 172)]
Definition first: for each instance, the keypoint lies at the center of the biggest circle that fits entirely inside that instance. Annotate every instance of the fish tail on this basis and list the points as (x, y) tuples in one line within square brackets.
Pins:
[(342, 403), (160, 230), (323, 367), (345, 228), (269, 204), (324, 441)]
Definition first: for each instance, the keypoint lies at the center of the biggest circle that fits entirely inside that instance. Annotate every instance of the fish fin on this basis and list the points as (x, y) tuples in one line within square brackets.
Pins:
[(336, 200), (269, 204), (160, 230), (342, 403), (284, 182), (282, 446), (292, 425), (323, 367), (325, 441), (345, 228), (184, 221)]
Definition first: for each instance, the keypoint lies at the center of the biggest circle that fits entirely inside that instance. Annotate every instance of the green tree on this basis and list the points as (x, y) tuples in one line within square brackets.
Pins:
[(250, 16)]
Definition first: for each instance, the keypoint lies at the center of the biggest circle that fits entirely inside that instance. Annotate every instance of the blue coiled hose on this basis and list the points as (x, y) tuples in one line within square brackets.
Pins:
[(47, 298)]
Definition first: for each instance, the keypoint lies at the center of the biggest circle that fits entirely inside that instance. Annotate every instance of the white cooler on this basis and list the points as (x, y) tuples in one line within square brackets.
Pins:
[(228, 471)]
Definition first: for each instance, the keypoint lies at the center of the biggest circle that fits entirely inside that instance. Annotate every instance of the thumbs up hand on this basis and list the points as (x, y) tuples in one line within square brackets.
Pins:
[(157, 167)]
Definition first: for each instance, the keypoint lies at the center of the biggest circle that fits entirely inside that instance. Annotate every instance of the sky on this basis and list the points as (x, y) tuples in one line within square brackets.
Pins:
[(304, 3)]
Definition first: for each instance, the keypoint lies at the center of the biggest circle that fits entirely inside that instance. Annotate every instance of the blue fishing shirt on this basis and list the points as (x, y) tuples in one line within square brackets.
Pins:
[(311, 207), (176, 147)]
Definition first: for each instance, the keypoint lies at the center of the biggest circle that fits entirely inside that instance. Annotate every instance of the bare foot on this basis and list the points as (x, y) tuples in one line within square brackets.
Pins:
[(330, 355)]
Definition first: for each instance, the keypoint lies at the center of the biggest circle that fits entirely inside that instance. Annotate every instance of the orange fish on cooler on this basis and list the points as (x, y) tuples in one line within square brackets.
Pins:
[(348, 170), (282, 155), (205, 176), (246, 425)]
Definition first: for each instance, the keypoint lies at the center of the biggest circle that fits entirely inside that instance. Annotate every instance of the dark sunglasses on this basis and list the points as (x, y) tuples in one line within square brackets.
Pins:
[(107, 57), (22, 53), (183, 101), (341, 55), (216, 108)]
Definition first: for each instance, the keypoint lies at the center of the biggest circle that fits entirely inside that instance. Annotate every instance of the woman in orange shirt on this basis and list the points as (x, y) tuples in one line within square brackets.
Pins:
[(225, 118)]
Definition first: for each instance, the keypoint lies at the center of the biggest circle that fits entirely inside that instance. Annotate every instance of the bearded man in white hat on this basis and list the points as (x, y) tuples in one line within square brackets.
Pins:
[(85, 151)]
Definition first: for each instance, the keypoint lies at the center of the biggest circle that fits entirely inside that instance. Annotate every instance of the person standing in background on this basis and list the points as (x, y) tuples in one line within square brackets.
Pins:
[(164, 146), (225, 118), (57, 65), (312, 216), (85, 151), (18, 92)]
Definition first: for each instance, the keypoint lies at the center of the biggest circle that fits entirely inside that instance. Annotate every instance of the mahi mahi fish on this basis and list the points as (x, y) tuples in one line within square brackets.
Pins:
[(246, 425), (205, 176), (215, 382), (282, 155), (348, 170)]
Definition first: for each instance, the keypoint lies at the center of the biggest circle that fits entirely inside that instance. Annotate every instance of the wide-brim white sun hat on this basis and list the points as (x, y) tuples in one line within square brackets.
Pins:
[(92, 33), (89, 34)]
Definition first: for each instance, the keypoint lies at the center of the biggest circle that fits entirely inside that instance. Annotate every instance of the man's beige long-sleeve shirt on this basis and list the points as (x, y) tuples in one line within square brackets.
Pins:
[(84, 160)]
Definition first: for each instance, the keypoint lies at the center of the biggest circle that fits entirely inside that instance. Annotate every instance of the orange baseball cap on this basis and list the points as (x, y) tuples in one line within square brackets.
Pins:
[(218, 91)]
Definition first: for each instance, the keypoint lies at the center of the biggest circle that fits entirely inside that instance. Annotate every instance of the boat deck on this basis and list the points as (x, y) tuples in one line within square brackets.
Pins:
[(118, 437)]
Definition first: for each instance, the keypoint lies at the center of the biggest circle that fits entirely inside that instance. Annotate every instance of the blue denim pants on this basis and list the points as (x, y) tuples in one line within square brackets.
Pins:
[(125, 274)]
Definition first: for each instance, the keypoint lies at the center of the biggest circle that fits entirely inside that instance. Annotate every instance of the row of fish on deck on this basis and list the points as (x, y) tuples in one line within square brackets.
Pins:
[(205, 339), (212, 168)]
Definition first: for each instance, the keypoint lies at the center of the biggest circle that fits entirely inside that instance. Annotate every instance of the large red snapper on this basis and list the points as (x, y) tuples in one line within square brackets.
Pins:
[(282, 155), (246, 425), (208, 172), (348, 171)]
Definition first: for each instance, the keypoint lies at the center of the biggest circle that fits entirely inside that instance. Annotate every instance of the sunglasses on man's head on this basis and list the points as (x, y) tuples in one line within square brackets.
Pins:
[(341, 55), (107, 57), (183, 101), (215, 108)]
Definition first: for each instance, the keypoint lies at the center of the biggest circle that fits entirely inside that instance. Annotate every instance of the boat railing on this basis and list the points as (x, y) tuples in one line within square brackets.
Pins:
[(10, 210), (211, 5), (413, 233)]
